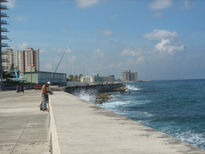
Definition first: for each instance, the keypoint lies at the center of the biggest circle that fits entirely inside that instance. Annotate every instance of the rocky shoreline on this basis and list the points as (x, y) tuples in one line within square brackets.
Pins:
[(104, 97)]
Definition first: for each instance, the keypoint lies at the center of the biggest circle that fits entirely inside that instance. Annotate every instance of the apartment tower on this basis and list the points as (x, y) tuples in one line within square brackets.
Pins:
[(10, 60), (127, 76), (30, 60), (2, 37)]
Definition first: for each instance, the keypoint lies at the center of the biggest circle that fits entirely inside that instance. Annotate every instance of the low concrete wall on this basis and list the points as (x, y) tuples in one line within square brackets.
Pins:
[(53, 136)]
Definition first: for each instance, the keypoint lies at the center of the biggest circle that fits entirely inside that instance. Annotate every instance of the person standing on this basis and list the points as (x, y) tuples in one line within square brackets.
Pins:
[(44, 95)]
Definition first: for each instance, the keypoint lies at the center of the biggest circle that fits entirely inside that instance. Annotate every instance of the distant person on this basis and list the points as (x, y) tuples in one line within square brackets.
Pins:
[(17, 88), (44, 95), (22, 88)]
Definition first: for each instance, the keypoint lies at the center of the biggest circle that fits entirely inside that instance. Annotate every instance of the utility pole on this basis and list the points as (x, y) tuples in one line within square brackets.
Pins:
[(2, 37)]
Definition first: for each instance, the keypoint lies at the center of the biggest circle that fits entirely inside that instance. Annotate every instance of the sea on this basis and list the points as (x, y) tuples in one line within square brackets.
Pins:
[(175, 107)]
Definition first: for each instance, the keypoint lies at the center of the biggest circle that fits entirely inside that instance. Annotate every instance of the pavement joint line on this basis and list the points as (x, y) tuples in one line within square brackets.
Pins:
[(12, 151)]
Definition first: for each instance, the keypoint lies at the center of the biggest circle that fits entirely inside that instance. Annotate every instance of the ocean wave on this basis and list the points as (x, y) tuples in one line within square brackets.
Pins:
[(133, 88), (137, 115), (114, 104), (89, 97), (197, 140)]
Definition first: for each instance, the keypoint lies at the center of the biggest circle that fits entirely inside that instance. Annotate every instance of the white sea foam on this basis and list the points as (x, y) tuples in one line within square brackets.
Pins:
[(131, 87), (195, 139), (87, 96), (114, 104), (192, 138)]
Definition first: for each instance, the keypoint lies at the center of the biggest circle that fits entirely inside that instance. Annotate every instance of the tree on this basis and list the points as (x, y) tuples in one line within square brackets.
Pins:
[(70, 77), (7, 75), (12, 67)]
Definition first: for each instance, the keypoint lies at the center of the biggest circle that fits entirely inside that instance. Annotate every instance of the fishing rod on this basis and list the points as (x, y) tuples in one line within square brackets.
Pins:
[(62, 56)]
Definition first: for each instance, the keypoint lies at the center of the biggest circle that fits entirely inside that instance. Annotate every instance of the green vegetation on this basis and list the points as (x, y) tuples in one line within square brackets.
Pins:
[(74, 78)]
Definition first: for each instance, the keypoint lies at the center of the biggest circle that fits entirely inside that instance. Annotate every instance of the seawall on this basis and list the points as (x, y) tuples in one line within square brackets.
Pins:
[(80, 127), (94, 88)]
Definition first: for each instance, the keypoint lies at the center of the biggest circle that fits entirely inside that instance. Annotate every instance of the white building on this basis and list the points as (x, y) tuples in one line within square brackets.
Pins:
[(10, 60), (127, 76), (97, 79), (87, 79)]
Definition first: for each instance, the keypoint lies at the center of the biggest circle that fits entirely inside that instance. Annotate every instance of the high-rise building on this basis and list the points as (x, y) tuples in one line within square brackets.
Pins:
[(133, 76), (30, 60), (10, 60), (2, 37), (127, 76)]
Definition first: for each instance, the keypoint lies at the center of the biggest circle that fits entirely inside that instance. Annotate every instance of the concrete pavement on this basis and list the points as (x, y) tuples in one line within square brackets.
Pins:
[(84, 128), (23, 127)]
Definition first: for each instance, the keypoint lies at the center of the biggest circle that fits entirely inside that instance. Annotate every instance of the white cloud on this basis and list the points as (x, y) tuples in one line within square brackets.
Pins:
[(187, 4), (23, 46), (98, 53), (130, 52), (86, 3), (160, 4), (166, 46), (10, 3), (167, 41), (43, 51), (68, 50), (158, 34), (72, 59), (48, 66), (107, 32), (110, 65), (136, 56), (20, 19), (140, 59), (60, 50), (135, 61), (157, 15)]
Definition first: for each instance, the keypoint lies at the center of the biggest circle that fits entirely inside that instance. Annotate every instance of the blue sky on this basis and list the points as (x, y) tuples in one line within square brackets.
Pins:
[(159, 39)]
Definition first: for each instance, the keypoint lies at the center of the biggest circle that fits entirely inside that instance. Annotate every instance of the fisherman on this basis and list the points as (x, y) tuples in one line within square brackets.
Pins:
[(44, 96)]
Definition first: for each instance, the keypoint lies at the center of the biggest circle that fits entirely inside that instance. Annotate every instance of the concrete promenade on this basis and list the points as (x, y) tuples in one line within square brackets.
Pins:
[(23, 127), (79, 127)]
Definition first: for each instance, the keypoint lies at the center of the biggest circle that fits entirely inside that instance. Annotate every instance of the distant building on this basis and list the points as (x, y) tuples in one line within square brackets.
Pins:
[(133, 76), (2, 37), (42, 77), (110, 78), (25, 61), (10, 60), (97, 79), (87, 79), (100, 79), (30, 60), (127, 76)]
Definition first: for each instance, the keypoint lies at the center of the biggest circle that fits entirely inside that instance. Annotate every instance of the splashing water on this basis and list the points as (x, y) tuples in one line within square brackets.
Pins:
[(87, 96), (131, 87)]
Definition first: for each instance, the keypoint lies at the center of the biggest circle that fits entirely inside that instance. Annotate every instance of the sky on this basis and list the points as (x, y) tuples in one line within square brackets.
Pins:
[(159, 39)]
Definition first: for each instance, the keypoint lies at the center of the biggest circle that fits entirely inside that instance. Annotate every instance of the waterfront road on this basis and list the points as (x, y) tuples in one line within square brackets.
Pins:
[(84, 128), (23, 127)]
